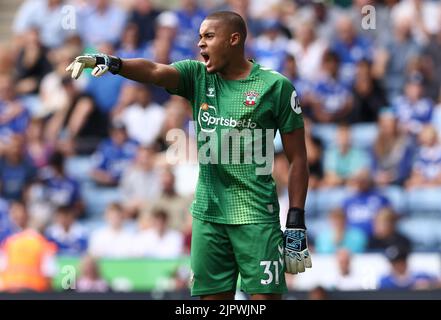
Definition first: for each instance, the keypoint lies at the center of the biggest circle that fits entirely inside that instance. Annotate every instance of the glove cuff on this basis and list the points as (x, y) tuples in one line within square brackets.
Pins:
[(296, 219), (114, 63)]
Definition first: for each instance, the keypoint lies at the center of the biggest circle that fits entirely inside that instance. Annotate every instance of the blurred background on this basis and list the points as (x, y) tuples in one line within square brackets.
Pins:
[(89, 202)]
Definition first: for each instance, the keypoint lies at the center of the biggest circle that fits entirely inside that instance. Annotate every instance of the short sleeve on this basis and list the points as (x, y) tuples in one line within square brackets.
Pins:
[(288, 111), (188, 74)]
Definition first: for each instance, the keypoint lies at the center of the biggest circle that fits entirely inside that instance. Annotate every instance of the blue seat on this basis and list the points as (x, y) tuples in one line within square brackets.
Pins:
[(424, 200), (328, 199), (326, 133), (397, 196), (364, 134), (424, 232), (79, 167), (96, 199)]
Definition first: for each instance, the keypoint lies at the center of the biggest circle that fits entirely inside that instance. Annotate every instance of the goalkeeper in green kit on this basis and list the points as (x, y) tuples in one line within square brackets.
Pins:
[(236, 227)]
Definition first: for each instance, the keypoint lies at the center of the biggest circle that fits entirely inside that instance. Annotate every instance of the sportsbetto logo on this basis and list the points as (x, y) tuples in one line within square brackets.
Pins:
[(208, 120)]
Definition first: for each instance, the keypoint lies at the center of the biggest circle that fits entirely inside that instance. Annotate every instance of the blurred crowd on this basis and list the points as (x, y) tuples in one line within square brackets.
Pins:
[(83, 164)]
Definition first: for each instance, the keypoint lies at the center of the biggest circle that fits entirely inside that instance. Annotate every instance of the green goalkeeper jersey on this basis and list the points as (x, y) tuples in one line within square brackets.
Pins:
[(235, 124)]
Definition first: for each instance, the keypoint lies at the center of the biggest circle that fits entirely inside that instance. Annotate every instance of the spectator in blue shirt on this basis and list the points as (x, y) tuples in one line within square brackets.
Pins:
[(113, 156), (60, 190), (351, 48), (332, 101), (101, 22), (413, 110), (339, 235), (105, 90), (401, 277), (69, 236), (16, 170), (5, 221), (190, 17), (14, 118), (129, 46), (362, 207), (270, 47)]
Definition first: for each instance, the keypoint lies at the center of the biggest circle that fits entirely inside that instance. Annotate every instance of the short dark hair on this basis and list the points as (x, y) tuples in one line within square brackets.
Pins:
[(231, 19)]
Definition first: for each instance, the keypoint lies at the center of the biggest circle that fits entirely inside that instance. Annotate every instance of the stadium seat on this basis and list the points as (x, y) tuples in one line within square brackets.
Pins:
[(326, 133), (330, 198), (79, 167), (96, 199), (424, 200), (364, 134), (397, 197), (424, 232)]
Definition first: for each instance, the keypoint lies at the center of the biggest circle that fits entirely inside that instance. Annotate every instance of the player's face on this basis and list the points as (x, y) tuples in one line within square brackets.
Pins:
[(214, 44)]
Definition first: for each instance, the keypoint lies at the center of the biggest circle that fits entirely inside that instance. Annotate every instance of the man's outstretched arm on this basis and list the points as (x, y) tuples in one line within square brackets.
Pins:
[(140, 70), (297, 256)]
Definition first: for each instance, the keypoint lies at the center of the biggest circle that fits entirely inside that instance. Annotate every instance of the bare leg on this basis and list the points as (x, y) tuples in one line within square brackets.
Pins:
[(219, 296)]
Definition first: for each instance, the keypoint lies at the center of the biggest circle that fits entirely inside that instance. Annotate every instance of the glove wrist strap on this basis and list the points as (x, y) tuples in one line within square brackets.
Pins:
[(296, 219), (114, 63)]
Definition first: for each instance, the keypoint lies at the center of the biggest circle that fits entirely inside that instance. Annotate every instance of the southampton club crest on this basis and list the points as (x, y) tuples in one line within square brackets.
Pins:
[(250, 98)]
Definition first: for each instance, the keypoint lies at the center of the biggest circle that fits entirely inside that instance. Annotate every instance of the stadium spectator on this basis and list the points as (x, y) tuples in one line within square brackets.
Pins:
[(369, 96), (332, 101), (5, 221), (14, 117), (144, 118), (105, 91), (140, 182), (16, 170), (345, 280), (350, 47), (31, 271), (190, 16), (156, 239), (343, 161), (46, 16), (392, 152), (113, 156), (112, 240), (318, 293), (392, 60), (339, 235), (426, 171), (432, 64), (177, 206), (78, 128), (31, 65), (38, 149), (269, 47), (129, 46), (400, 277), (143, 15), (61, 190), (362, 207), (314, 148), (413, 110), (90, 278), (308, 50), (385, 233), (100, 21), (66, 233)]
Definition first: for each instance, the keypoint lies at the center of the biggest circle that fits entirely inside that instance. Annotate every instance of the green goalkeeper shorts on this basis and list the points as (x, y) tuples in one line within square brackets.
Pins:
[(220, 252)]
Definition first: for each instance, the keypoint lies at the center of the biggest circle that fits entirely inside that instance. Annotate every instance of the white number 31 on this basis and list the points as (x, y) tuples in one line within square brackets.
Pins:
[(268, 272)]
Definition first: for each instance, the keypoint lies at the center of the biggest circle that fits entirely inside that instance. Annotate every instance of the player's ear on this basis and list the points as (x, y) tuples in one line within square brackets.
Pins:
[(235, 39)]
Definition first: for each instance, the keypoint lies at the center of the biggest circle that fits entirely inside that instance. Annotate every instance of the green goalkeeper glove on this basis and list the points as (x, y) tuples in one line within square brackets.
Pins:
[(297, 256), (101, 63)]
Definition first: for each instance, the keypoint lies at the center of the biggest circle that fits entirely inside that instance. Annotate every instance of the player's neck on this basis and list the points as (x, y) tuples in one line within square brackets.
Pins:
[(237, 69)]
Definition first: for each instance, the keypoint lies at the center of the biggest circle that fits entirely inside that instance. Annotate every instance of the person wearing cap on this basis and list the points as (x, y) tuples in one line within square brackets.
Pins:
[(400, 276)]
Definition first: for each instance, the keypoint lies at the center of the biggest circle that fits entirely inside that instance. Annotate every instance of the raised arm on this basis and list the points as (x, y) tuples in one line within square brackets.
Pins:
[(140, 70)]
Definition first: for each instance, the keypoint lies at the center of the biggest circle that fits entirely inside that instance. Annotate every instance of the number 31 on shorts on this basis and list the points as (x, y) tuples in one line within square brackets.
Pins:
[(271, 272)]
